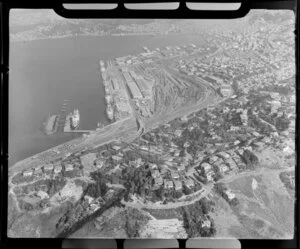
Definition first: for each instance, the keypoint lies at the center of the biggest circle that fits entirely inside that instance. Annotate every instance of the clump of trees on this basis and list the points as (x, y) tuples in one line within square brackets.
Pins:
[(282, 123), (250, 159), (99, 187), (220, 188), (286, 179), (194, 214), (134, 220)]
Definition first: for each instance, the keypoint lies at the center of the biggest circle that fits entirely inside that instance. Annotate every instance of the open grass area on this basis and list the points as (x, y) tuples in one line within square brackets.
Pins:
[(165, 213)]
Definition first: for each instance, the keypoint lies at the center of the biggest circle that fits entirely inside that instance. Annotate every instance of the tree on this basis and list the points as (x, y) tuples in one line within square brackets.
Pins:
[(282, 123), (250, 159), (131, 227)]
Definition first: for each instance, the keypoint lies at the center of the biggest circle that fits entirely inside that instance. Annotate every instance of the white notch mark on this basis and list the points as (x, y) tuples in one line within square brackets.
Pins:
[(96, 6), (213, 6), (153, 6)]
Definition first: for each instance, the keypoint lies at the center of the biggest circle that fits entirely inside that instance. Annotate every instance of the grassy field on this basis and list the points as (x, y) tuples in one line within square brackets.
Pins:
[(266, 209), (164, 213)]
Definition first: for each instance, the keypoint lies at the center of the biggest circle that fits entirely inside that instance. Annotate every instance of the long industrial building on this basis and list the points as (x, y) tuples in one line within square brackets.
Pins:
[(135, 91), (144, 86)]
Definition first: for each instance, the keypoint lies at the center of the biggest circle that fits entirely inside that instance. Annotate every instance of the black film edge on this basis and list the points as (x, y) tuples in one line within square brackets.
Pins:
[(181, 12)]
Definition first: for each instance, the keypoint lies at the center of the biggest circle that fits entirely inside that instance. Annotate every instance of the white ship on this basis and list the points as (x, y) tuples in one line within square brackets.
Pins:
[(72, 121), (75, 119), (110, 112)]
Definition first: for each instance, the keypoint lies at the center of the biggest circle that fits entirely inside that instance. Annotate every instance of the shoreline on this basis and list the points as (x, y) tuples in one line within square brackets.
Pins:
[(98, 35)]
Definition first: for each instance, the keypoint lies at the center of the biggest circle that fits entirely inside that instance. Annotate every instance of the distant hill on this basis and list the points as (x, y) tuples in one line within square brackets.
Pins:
[(270, 16)]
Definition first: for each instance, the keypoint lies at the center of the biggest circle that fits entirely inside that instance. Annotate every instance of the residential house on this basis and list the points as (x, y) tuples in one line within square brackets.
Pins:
[(155, 173), (138, 162), (224, 155), (188, 183), (27, 173), (158, 181), (99, 163), (178, 133), (88, 160), (109, 194), (48, 167), (88, 199), (174, 175), (94, 207), (116, 147), (205, 223), (181, 167), (38, 170), (69, 167), (116, 158), (42, 194), (213, 159), (231, 163), (178, 185), (206, 167), (209, 175), (168, 184), (229, 194), (177, 153), (223, 168), (57, 169)]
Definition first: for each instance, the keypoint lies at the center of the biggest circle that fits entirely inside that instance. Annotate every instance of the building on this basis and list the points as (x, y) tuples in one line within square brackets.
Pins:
[(109, 194), (206, 167), (38, 170), (153, 166), (158, 181), (99, 163), (27, 173), (116, 158), (155, 173), (88, 199), (188, 183), (48, 167), (213, 159), (288, 150), (168, 184), (229, 195), (174, 175), (69, 167), (88, 160), (57, 169), (138, 162), (225, 90), (223, 168), (205, 223), (223, 154), (209, 176), (181, 168), (116, 147), (94, 207), (42, 194), (231, 163), (178, 185), (178, 133), (134, 90)]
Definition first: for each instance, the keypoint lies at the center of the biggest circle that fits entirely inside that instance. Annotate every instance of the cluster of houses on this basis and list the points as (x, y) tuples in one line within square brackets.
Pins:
[(93, 204), (55, 168), (222, 162)]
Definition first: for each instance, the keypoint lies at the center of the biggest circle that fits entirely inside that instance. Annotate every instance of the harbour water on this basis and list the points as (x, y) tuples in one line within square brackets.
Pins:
[(45, 72)]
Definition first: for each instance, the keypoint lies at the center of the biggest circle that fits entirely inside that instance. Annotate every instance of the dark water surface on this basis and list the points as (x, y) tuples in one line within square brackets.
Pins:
[(45, 72)]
